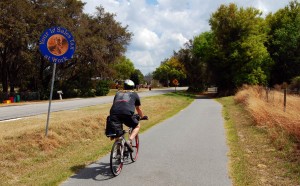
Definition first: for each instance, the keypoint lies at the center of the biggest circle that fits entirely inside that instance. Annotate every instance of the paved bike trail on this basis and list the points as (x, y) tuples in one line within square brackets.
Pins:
[(187, 149)]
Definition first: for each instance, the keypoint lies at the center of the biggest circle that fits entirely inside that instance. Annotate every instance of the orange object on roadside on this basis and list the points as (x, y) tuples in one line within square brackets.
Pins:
[(7, 101)]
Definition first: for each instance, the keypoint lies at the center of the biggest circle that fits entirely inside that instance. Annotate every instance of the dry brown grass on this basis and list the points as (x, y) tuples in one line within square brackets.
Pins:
[(25, 149), (271, 113), (254, 160), (282, 128), (75, 138)]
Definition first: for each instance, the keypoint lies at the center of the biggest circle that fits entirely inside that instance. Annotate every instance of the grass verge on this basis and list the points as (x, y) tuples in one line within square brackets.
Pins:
[(254, 159), (75, 139)]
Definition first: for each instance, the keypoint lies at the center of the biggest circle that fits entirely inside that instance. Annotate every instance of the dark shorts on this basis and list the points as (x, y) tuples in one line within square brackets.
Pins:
[(128, 120)]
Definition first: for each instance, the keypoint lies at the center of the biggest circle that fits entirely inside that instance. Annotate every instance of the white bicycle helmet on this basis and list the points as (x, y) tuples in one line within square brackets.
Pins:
[(128, 84)]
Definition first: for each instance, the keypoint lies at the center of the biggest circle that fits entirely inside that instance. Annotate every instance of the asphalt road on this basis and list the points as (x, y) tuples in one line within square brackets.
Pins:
[(188, 149), (12, 112)]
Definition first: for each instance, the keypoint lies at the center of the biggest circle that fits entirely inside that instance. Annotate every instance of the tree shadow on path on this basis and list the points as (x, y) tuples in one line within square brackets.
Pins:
[(205, 96)]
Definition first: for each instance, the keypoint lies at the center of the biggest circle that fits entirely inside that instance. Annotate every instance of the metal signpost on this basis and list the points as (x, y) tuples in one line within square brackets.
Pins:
[(57, 45), (176, 83)]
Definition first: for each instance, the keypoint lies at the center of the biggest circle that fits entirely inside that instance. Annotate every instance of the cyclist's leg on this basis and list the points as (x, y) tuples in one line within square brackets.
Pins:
[(134, 132), (132, 122)]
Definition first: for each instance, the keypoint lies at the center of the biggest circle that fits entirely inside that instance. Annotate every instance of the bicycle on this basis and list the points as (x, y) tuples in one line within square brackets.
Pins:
[(121, 150)]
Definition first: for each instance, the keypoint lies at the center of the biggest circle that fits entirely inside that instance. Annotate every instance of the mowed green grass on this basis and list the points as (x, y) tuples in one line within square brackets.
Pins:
[(75, 139)]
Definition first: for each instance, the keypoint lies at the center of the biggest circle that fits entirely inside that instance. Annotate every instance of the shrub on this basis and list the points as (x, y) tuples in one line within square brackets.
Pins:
[(87, 93), (102, 88), (29, 96), (295, 84), (69, 89)]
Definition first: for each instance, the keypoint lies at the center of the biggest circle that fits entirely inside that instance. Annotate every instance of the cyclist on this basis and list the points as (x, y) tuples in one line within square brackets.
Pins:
[(124, 105)]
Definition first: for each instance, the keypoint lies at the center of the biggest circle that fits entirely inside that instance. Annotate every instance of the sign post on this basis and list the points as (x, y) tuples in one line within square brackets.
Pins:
[(175, 82), (57, 45), (50, 98)]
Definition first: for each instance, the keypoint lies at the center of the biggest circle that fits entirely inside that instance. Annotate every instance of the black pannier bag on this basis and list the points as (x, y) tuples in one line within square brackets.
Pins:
[(113, 129)]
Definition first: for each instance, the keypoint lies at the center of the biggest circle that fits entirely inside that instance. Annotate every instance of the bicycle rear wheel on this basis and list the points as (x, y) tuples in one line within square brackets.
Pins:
[(135, 146), (116, 163)]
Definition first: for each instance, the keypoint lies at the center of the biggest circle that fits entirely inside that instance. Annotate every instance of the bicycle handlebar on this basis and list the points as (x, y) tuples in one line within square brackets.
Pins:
[(144, 118), (139, 118)]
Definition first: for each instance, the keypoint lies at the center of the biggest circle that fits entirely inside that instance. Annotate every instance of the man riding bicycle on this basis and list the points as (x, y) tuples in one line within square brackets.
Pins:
[(124, 105)]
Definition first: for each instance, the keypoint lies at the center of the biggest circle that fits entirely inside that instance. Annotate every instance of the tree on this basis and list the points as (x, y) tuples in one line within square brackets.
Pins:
[(177, 70), (195, 67), (14, 39), (168, 70), (100, 41), (46, 14), (137, 77), (162, 74), (204, 49), (124, 68), (283, 44), (103, 42), (240, 35)]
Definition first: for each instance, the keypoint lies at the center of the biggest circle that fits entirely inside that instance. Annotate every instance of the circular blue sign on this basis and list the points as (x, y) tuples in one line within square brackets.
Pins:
[(57, 44)]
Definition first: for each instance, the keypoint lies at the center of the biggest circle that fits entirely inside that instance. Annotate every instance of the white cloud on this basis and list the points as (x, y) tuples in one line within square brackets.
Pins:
[(145, 39), (144, 58), (163, 27)]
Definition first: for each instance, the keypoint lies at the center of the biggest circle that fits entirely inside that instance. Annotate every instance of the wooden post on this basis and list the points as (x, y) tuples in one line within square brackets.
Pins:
[(284, 102), (267, 93)]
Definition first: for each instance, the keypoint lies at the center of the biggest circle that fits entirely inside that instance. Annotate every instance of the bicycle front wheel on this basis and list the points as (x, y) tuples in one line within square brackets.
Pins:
[(135, 146), (116, 163)]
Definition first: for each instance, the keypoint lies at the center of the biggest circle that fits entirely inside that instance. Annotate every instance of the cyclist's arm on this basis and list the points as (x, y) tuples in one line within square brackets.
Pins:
[(139, 111)]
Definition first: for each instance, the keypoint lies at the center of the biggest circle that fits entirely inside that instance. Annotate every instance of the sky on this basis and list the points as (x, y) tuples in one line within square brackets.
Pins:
[(160, 27)]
